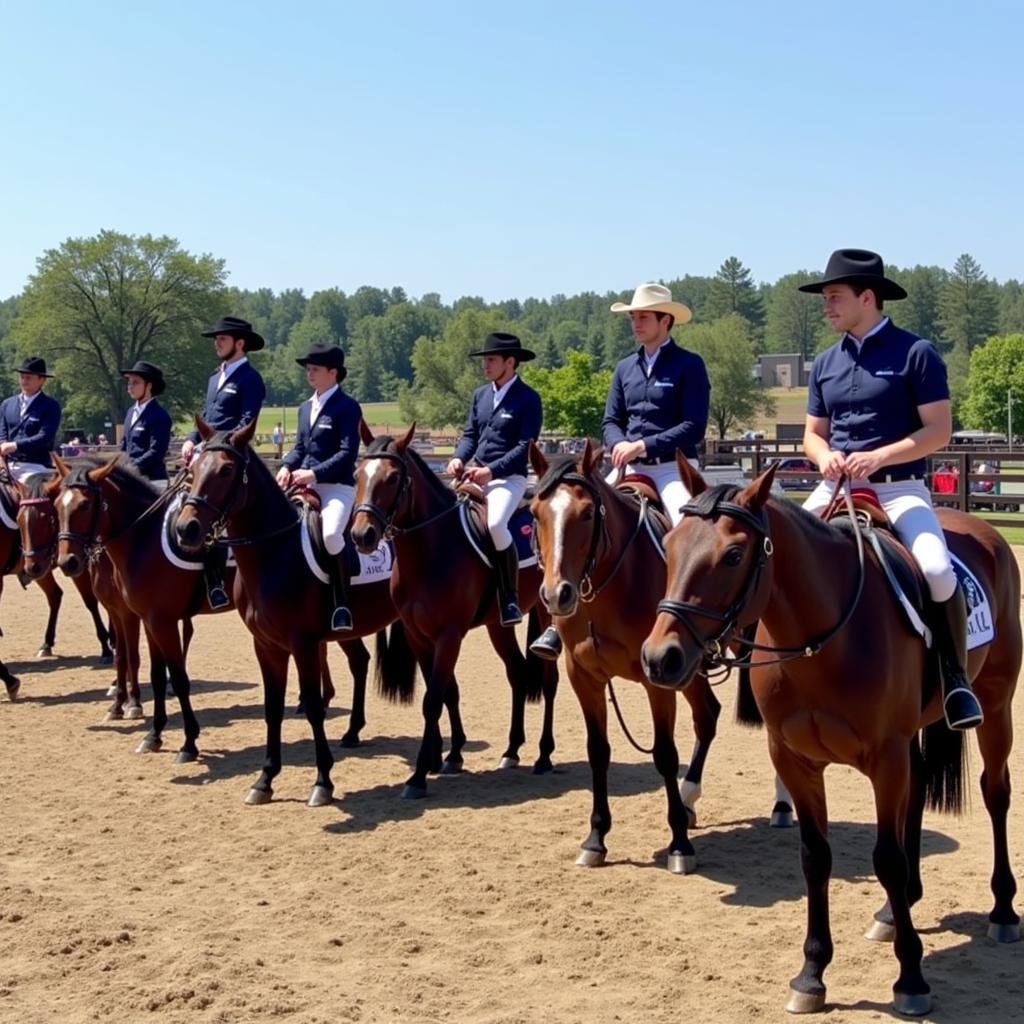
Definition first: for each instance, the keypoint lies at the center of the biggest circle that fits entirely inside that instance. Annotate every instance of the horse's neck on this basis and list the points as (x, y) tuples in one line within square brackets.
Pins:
[(265, 508), (425, 501)]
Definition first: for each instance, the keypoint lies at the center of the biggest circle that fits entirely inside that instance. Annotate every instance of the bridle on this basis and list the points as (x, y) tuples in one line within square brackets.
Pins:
[(714, 646), (220, 513), (51, 544), (91, 540), (385, 519)]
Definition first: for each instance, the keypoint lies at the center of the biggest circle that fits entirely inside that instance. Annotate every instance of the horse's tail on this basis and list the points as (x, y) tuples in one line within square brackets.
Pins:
[(747, 711), (533, 681), (944, 760), (395, 671)]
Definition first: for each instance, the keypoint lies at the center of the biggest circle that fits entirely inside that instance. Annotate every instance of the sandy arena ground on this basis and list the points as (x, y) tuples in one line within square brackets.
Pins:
[(132, 889)]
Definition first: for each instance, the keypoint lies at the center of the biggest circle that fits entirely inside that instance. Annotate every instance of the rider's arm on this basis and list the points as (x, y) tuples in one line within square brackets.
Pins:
[(466, 448)]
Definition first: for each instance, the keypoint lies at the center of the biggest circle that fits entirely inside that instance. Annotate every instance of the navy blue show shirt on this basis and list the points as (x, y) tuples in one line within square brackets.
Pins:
[(35, 433), (146, 439), (870, 392), (667, 409), (235, 404), (500, 438), (331, 445)]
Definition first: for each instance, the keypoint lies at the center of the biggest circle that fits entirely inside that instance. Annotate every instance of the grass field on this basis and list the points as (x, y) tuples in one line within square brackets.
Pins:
[(790, 407)]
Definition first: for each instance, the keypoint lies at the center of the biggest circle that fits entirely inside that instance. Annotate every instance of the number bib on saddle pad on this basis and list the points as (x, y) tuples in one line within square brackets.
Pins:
[(520, 526), (980, 627), (372, 568)]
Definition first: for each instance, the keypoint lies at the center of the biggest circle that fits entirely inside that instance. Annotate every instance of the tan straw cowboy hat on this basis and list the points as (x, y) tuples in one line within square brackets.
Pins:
[(655, 298)]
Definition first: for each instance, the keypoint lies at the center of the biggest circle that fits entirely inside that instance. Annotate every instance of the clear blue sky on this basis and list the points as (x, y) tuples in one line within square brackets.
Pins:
[(516, 149)]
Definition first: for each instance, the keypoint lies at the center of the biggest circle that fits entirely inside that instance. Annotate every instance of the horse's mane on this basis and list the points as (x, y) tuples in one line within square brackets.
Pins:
[(36, 483), (125, 476), (557, 471), (436, 486)]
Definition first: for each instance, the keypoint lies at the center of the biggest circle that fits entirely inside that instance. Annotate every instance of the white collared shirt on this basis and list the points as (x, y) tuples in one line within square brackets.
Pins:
[(229, 368), (24, 401), (874, 330), (497, 394), (137, 412), (649, 361), (318, 402)]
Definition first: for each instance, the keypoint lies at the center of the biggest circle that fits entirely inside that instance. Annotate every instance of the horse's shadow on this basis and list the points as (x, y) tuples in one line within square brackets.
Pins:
[(91, 696), (57, 663)]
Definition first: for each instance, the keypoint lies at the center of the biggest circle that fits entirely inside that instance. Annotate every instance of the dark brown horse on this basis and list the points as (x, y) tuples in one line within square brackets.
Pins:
[(12, 562), (839, 679), (286, 608), (604, 573), (442, 589)]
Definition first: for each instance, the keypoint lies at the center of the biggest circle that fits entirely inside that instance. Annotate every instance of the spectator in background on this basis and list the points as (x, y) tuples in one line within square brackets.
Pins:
[(101, 440), (277, 435)]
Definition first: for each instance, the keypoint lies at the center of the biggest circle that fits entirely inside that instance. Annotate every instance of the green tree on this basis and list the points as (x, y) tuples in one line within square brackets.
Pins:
[(996, 378), (1011, 307), (919, 311), (380, 353), (331, 305), (727, 347), (573, 395), (733, 291), (794, 321), (95, 305), (968, 310)]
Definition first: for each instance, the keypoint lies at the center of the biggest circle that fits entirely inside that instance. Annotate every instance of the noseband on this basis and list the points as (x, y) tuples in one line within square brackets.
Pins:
[(220, 514), (52, 543), (386, 519)]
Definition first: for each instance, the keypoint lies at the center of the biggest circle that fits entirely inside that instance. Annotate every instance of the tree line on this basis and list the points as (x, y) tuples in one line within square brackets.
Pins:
[(97, 304)]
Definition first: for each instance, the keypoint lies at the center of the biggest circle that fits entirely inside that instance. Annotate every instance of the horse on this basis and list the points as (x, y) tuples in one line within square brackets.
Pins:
[(12, 562), (839, 679), (604, 571), (442, 589), (286, 608)]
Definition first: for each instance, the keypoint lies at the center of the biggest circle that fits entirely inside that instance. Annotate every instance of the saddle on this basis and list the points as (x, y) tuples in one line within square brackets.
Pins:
[(473, 516), (307, 501), (640, 488)]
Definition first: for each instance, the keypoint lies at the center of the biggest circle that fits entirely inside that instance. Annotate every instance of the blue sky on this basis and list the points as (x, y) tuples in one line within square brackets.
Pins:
[(514, 149)]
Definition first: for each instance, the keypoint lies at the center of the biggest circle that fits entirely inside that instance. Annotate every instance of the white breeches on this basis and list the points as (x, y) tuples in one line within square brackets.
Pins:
[(503, 497), (335, 509), (672, 491), (21, 471), (908, 505)]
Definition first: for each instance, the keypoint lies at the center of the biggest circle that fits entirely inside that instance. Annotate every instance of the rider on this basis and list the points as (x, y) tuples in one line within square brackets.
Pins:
[(147, 426), (877, 405), (504, 418), (234, 396), (658, 403), (324, 459), (29, 422)]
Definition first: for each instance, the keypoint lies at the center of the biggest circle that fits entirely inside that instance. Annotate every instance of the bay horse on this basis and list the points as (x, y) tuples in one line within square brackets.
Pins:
[(604, 573), (442, 589), (286, 608), (12, 562), (839, 679)]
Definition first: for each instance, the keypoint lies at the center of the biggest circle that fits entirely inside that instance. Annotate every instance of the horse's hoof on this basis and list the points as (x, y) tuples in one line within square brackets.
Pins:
[(591, 858), (451, 768), (186, 756), (348, 742), (112, 690), (149, 745), (13, 688), (411, 792), (114, 715), (1004, 932), (46, 651), (682, 863), (805, 1002), (135, 712), (320, 796), (508, 762), (881, 931), (300, 709), (544, 767), (911, 1005), (781, 818), (255, 796)]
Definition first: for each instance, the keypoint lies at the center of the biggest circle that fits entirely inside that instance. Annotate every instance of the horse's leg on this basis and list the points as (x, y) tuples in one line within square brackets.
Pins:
[(359, 665), (84, 585), (165, 633), (682, 858), (11, 681), (591, 693), (506, 646), (782, 812), (273, 663), (54, 595), (539, 620), (121, 666), (153, 740), (134, 711), (452, 764), (806, 781), (188, 630), (327, 690), (890, 779), (995, 738), (307, 657), (706, 709)]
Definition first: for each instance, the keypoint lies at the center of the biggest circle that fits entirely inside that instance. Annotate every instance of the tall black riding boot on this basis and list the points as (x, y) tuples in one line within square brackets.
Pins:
[(341, 617), (959, 704), (506, 564), (213, 569)]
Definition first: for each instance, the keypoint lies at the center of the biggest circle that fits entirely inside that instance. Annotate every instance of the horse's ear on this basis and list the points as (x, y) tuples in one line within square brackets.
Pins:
[(403, 442), (62, 467), (759, 490), (691, 478), (204, 428), (52, 486), (102, 472), (240, 438), (365, 433), (19, 488), (537, 460)]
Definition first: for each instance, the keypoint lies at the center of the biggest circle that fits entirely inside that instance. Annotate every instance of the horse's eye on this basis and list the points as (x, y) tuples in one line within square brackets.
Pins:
[(733, 556), (226, 470), (588, 514)]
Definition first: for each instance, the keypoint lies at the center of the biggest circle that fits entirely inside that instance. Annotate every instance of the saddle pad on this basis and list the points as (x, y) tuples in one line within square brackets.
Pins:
[(372, 568), (174, 554), (980, 627), (520, 526)]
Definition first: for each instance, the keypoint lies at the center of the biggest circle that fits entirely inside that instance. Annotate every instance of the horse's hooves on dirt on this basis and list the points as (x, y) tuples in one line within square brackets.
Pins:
[(410, 792), (682, 863), (781, 819), (451, 768), (46, 651), (135, 712), (1004, 932), (912, 1005), (114, 715), (186, 756), (348, 742), (805, 1002), (149, 745), (320, 796), (13, 688), (256, 797), (106, 659), (508, 762), (112, 690), (881, 931), (591, 858), (544, 767)]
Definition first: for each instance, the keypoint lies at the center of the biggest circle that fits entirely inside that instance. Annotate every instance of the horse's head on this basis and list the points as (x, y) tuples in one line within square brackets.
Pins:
[(569, 511), (382, 488), (37, 525), (220, 473), (715, 555), (83, 515)]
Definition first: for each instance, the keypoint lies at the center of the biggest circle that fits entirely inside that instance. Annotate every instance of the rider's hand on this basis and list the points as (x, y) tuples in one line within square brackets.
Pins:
[(303, 477), (861, 465), (7, 447), (626, 452), (186, 451), (454, 467), (832, 465), (284, 476), (478, 475)]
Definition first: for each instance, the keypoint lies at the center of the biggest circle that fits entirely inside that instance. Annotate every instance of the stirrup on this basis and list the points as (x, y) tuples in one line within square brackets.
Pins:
[(510, 615), (218, 597), (548, 645), (966, 712), (341, 620)]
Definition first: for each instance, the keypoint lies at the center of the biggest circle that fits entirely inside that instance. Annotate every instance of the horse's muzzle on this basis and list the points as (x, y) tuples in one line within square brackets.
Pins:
[(561, 599), (70, 564), (365, 536), (35, 570), (667, 665), (189, 533)]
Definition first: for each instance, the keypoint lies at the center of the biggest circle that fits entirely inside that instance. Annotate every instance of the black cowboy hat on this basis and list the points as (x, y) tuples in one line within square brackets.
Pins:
[(150, 372), (330, 356), (34, 364), (501, 344), (240, 329), (860, 266)]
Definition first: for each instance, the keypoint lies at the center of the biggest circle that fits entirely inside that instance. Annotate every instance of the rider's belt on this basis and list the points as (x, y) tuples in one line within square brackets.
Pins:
[(893, 476), (654, 460)]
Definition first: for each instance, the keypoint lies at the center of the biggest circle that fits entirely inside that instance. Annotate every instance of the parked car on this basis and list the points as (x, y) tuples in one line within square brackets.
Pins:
[(797, 464)]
